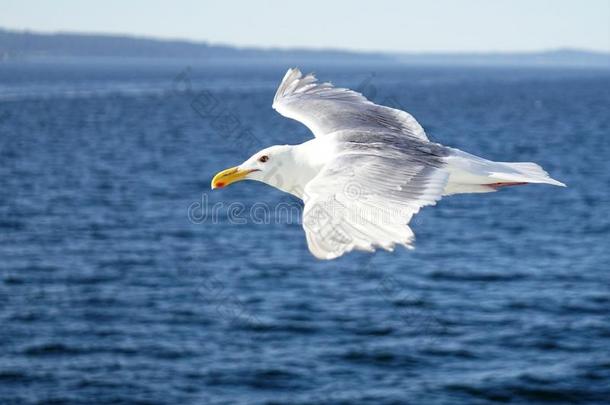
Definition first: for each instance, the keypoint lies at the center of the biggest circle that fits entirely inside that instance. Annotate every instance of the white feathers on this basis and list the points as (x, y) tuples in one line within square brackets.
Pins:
[(527, 172), (370, 168), (364, 197), (325, 109), (473, 174)]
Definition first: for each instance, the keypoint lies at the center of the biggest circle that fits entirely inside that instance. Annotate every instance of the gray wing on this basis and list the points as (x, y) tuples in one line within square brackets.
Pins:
[(367, 195), (325, 109)]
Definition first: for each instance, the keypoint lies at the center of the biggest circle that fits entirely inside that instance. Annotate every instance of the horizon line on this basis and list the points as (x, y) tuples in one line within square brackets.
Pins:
[(299, 48)]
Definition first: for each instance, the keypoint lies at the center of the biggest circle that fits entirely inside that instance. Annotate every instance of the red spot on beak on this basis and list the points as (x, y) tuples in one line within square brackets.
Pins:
[(220, 184)]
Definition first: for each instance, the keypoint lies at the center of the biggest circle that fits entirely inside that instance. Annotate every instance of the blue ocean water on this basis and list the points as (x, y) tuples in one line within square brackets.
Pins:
[(124, 279)]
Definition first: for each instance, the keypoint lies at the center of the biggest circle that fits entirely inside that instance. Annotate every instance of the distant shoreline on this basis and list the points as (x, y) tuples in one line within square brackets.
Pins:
[(32, 46)]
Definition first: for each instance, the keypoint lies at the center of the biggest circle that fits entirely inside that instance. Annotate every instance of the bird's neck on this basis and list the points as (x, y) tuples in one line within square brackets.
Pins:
[(307, 160)]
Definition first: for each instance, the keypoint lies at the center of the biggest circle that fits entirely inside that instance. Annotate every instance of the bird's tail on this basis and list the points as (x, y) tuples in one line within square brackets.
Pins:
[(527, 172), (472, 174)]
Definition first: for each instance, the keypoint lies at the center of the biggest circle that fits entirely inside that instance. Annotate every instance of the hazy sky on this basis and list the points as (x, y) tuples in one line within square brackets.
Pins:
[(378, 25)]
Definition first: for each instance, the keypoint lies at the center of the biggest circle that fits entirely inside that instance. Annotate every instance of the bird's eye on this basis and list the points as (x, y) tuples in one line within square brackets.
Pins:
[(263, 158)]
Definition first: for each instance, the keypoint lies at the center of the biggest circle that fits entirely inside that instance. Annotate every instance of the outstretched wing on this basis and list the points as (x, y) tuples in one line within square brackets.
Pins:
[(325, 109), (367, 195)]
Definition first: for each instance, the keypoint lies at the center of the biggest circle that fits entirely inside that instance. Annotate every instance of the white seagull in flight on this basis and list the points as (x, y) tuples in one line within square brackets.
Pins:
[(368, 170)]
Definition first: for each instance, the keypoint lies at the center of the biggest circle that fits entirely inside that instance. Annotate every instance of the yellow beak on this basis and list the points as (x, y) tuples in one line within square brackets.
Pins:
[(229, 176)]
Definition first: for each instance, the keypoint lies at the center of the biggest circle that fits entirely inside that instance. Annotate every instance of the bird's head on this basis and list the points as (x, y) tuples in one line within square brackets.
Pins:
[(267, 166)]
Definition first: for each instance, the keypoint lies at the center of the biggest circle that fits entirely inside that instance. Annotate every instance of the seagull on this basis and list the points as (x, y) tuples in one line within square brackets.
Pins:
[(368, 170)]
